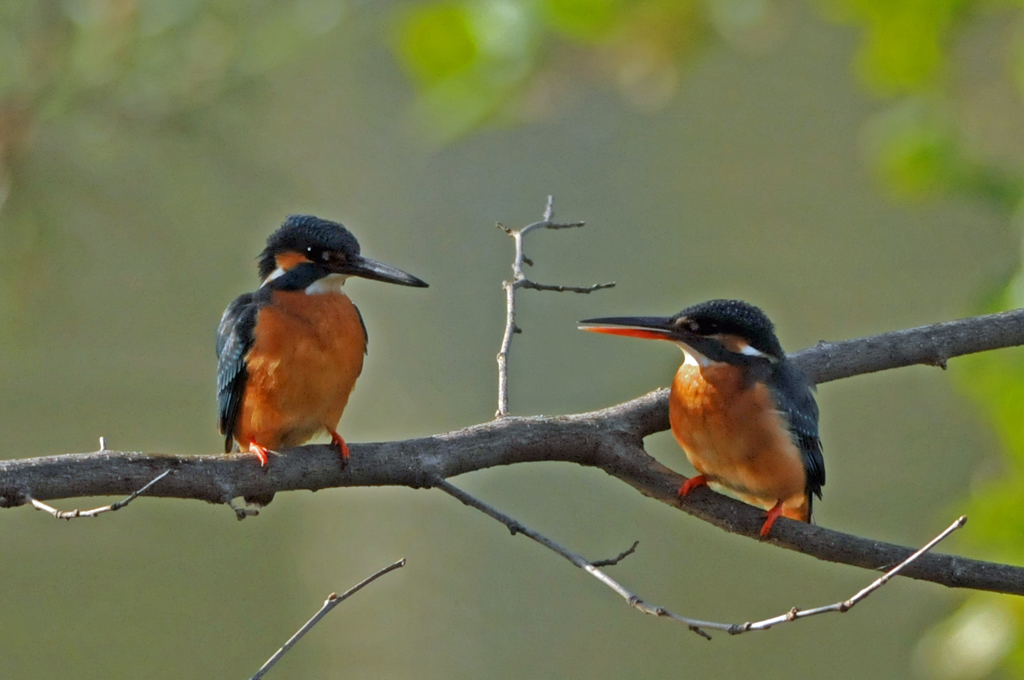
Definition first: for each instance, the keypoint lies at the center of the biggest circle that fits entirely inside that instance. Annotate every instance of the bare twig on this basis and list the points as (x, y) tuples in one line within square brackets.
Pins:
[(517, 528), (332, 601), (519, 280), (585, 290), (696, 625), (71, 514), (845, 605), (618, 558)]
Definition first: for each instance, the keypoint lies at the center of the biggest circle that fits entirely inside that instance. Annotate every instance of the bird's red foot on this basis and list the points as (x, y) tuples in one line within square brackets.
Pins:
[(773, 515), (262, 452), (340, 443), (692, 483)]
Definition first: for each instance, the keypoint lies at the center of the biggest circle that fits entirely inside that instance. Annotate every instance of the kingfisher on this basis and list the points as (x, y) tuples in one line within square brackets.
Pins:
[(742, 412), (288, 355)]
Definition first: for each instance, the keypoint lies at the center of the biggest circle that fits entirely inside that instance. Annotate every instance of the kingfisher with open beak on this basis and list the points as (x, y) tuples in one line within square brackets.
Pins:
[(289, 353), (742, 412)]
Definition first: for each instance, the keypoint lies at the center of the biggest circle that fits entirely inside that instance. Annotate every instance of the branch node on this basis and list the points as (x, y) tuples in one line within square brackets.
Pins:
[(241, 511), (330, 603), (700, 632)]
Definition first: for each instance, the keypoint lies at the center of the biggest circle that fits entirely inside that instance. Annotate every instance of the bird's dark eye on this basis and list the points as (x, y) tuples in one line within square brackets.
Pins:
[(318, 254)]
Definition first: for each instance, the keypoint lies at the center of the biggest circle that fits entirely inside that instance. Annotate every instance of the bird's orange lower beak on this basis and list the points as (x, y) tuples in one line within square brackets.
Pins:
[(627, 332), (647, 327)]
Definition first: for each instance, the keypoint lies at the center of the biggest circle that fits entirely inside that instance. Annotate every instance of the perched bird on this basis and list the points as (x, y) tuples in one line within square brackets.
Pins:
[(742, 412), (289, 354)]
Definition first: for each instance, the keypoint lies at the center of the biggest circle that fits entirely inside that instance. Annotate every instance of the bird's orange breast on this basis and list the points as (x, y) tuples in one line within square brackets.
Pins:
[(307, 353), (733, 434)]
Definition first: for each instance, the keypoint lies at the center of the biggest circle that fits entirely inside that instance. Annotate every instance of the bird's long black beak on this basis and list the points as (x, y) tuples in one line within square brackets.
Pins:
[(651, 327), (657, 328), (378, 271)]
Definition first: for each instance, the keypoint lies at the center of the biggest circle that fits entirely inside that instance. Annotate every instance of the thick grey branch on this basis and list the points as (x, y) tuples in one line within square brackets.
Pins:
[(610, 439), (931, 345)]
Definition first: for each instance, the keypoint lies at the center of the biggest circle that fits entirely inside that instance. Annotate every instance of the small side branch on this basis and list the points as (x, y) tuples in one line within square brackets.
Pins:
[(695, 625), (585, 290), (590, 567), (332, 601), (845, 605), (618, 558), (519, 280), (72, 514)]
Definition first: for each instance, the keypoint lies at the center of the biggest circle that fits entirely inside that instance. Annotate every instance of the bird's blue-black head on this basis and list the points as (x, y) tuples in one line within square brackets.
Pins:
[(321, 247), (722, 330)]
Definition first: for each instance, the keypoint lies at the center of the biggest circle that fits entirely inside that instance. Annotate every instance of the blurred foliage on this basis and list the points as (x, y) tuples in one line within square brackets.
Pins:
[(87, 71), (505, 61), (905, 43)]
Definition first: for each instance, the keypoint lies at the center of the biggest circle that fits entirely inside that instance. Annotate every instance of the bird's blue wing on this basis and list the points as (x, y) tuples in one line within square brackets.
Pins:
[(234, 340), (795, 399)]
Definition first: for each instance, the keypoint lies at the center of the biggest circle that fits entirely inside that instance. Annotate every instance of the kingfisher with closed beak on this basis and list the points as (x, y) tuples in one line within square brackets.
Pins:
[(289, 353), (742, 412)]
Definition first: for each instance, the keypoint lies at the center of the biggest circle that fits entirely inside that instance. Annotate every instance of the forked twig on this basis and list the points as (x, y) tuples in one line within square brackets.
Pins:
[(845, 605), (517, 528), (519, 280), (696, 625), (332, 601), (71, 514)]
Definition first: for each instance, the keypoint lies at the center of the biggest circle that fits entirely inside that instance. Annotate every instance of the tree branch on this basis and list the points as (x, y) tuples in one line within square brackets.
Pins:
[(332, 601), (113, 507), (610, 439), (695, 625)]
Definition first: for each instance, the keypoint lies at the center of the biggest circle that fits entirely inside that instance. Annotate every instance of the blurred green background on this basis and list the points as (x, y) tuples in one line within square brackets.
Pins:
[(852, 166)]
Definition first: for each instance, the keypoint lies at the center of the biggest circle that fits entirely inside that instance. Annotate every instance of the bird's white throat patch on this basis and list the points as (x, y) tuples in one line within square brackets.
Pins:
[(273, 275), (331, 283), (693, 357)]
